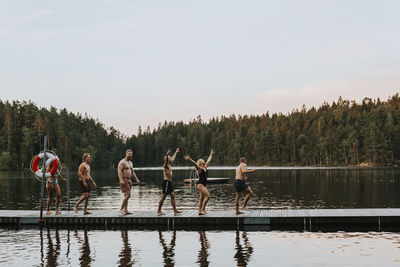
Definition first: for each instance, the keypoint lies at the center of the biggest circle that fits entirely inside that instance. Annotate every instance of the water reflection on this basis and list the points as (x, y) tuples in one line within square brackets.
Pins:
[(85, 259), (202, 258), (53, 250), (125, 257), (168, 250), (230, 248), (243, 252)]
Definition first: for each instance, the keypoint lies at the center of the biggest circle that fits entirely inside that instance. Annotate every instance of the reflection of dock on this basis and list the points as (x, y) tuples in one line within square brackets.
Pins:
[(305, 218)]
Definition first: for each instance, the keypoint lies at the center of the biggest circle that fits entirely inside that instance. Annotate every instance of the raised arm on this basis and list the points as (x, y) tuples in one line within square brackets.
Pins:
[(188, 158), (174, 156), (209, 158)]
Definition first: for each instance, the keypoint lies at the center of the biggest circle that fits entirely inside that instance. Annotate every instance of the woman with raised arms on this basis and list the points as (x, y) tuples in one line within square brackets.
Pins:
[(201, 167)]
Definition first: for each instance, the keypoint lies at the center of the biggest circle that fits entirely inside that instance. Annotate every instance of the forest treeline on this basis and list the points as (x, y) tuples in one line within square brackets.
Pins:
[(342, 133)]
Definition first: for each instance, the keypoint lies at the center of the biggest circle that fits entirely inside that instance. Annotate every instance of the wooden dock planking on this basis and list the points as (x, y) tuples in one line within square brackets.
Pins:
[(272, 217)]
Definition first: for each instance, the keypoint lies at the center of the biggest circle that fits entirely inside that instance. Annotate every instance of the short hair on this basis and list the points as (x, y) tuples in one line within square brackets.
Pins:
[(242, 159), (85, 155), (128, 150)]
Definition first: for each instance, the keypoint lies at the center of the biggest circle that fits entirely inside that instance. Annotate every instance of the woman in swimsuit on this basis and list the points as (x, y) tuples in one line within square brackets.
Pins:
[(52, 187), (201, 167)]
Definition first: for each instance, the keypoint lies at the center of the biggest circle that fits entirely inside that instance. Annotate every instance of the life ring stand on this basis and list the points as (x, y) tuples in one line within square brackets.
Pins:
[(51, 159)]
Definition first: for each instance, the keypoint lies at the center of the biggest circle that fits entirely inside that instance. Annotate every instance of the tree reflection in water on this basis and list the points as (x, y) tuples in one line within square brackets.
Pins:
[(202, 258), (243, 254), (168, 250)]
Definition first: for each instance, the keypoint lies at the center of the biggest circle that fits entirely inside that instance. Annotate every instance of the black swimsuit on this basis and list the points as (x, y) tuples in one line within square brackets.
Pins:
[(203, 177)]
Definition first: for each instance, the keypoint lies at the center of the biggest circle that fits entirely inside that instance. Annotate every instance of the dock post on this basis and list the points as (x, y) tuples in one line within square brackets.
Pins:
[(68, 198), (43, 179), (379, 222)]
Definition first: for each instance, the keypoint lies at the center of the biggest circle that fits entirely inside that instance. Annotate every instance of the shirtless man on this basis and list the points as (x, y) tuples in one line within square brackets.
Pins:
[(84, 179), (241, 186), (125, 172), (167, 187)]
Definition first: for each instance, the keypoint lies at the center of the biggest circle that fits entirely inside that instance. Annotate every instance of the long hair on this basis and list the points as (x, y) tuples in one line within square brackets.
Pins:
[(166, 160)]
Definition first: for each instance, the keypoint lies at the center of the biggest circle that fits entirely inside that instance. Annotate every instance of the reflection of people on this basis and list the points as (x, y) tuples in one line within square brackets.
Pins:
[(202, 258), (84, 179), (85, 258), (168, 250), (167, 187), (53, 250), (241, 186), (242, 255), (125, 172), (53, 189), (125, 257), (201, 167)]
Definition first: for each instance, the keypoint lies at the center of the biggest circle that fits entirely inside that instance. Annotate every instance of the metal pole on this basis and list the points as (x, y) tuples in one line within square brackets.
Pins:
[(69, 207), (43, 179)]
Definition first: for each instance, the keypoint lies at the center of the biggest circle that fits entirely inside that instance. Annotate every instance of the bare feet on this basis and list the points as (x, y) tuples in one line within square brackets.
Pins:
[(160, 213), (128, 212), (122, 212), (239, 212), (204, 211), (201, 213), (245, 208), (76, 209), (177, 211), (58, 212), (87, 212), (48, 212)]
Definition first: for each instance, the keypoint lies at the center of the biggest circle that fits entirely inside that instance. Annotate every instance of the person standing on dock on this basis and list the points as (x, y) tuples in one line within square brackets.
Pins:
[(53, 189), (125, 174), (84, 179), (201, 167), (241, 185), (167, 187)]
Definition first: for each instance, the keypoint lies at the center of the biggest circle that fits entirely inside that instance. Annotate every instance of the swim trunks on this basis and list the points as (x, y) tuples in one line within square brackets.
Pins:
[(167, 187), (84, 189), (240, 185), (127, 186)]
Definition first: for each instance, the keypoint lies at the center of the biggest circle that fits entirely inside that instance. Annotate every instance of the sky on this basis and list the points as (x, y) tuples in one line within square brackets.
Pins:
[(140, 62)]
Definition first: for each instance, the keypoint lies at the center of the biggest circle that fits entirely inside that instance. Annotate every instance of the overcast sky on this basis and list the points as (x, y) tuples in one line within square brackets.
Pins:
[(130, 63)]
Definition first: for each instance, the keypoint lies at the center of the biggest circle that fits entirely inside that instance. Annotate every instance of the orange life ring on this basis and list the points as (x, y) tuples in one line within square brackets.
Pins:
[(50, 159)]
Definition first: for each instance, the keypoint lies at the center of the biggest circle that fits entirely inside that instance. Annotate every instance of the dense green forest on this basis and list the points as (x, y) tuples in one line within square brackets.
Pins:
[(341, 133)]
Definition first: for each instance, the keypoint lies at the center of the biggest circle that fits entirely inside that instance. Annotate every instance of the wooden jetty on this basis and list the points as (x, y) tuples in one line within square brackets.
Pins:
[(227, 219)]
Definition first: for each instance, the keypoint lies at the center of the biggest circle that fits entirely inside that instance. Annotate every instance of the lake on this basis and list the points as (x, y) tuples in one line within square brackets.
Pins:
[(275, 188)]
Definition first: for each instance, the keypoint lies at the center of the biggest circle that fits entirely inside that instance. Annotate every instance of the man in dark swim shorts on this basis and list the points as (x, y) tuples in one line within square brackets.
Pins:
[(167, 187), (241, 186), (84, 179)]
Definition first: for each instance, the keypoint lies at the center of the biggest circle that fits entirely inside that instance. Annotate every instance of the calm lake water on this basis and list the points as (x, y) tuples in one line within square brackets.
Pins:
[(274, 188)]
